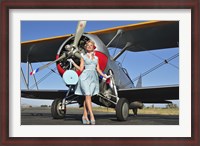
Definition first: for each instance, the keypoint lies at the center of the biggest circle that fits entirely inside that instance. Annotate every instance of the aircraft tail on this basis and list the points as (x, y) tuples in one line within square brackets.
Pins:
[(139, 83)]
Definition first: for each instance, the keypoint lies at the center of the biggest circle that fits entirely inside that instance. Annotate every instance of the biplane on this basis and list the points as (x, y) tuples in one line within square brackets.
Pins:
[(119, 91)]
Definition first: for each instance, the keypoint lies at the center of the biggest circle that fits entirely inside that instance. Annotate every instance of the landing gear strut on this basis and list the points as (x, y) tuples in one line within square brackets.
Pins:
[(135, 110)]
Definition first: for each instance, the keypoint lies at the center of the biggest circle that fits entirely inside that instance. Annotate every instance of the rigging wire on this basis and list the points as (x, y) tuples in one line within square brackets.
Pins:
[(43, 78), (163, 59), (123, 58), (153, 54), (166, 61), (53, 70)]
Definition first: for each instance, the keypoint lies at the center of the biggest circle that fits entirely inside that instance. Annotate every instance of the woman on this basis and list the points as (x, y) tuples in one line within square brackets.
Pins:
[(88, 84)]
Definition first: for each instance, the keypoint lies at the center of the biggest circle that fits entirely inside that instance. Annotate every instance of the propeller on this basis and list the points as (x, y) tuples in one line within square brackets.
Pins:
[(79, 31), (48, 64)]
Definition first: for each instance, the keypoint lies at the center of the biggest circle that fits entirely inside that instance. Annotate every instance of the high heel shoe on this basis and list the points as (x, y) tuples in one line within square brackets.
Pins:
[(85, 121), (92, 122)]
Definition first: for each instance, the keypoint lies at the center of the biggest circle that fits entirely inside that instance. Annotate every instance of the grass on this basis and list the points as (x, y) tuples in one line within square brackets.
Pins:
[(148, 110), (160, 111)]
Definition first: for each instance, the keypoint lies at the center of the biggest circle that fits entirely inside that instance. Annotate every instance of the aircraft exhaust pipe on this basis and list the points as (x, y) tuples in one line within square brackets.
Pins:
[(136, 104)]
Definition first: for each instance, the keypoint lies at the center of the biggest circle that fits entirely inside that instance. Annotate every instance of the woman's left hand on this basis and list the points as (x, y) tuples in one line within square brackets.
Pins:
[(106, 77)]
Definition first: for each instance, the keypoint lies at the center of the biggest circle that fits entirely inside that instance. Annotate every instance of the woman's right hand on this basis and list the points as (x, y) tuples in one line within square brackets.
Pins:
[(70, 60)]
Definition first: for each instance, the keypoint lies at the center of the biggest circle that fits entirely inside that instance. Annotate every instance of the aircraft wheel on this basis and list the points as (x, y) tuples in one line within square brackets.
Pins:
[(56, 109), (122, 109)]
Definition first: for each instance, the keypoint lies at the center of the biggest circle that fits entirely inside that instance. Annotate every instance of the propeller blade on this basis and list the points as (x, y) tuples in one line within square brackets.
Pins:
[(48, 64), (79, 31)]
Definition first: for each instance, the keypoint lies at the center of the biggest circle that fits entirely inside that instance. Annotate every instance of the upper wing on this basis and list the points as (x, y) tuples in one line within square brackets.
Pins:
[(144, 36), (41, 50), (151, 94)]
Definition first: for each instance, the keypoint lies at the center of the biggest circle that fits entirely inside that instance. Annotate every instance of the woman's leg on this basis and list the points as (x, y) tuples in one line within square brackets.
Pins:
[(85, 112), (89, 106)]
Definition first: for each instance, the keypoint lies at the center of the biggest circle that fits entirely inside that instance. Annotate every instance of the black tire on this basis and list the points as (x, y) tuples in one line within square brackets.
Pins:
[(122, 109), (56, 111)]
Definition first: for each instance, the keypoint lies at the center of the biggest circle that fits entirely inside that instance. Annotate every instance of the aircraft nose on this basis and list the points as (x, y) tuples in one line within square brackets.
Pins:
[(72, 51)]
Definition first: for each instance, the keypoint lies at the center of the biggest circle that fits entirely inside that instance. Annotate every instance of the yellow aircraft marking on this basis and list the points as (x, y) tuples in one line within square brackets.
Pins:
[(108, 30), (132, 26), (46, 39)]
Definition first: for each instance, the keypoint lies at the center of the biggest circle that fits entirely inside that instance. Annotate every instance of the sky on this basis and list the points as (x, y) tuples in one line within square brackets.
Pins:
[(136, 63)]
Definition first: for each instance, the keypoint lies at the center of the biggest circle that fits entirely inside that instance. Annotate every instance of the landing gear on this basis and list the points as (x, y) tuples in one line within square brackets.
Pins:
[(122, 109), (122, 105), (109, 95), (135, 110), (112, 83), (56, 109)]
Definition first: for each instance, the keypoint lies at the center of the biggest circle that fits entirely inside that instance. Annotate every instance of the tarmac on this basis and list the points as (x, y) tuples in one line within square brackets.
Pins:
[(42, 116)]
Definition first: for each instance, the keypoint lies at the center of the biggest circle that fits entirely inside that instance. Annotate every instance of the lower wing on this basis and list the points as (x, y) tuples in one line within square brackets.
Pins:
[(43, 94), (158, 94)]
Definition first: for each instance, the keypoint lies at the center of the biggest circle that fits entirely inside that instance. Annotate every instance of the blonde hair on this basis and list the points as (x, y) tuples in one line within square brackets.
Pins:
[(90, 41)]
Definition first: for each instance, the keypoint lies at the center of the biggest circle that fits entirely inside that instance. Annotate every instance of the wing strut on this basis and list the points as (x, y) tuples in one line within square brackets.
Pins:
[(22, 73), (120, 31), (34, 76), (128, 44), (26, 80), (27, 68)]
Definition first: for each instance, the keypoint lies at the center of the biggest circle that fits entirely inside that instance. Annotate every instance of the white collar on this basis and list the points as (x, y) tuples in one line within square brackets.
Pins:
[(90, 54)]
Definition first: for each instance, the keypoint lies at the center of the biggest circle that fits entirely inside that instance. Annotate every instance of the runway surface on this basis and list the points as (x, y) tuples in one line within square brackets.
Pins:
[(42, 116)]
